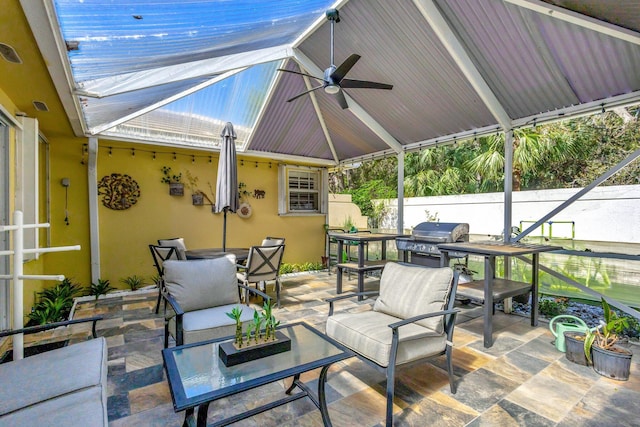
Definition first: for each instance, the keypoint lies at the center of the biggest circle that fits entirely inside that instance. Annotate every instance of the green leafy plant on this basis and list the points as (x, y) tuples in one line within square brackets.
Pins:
[(54, 304), (551, 307), (168, 177), (103, 287), (270, 322), (257, 326), (235, 314), (605, 336), (134, 282)]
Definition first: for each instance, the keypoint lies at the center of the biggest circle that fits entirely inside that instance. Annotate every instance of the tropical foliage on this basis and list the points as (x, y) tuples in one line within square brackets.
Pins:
[(565, 154), (55, 304)]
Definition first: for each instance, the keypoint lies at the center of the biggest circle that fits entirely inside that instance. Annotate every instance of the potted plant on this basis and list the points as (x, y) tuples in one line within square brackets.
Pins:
[(600, 346), (176, 187), (235, 314), (197, 196)]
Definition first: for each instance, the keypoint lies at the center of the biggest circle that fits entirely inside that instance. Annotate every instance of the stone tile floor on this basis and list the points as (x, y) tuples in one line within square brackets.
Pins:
[(520, 381)]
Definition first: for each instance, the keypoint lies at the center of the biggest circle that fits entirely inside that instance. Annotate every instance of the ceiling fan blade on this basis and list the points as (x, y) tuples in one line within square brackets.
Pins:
[(304, 93), (299, 73), (342, 100), (344, 68), (363, 84)]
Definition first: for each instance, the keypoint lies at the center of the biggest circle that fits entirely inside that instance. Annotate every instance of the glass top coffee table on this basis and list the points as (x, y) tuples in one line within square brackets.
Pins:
[(197, 376)]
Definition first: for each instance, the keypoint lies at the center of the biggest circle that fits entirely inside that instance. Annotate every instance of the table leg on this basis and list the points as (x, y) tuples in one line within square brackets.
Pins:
[(293, 385), (202, 414), (361, 284), (322, 398), (489, 274), (534, 289), (339, 270), (189, 420), (360, 272)]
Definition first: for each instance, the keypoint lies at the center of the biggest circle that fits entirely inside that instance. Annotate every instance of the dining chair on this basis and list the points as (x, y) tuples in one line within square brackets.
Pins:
[(272, 241), (200, 293), (160, 254), (412, 319), (177, 242), (263, 265)]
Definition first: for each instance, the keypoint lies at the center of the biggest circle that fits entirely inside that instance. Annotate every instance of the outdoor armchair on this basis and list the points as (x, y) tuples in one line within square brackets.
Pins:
[(178, 243), (263, 265), (160, 254), (200, 293), (272, 241), (412, 320)]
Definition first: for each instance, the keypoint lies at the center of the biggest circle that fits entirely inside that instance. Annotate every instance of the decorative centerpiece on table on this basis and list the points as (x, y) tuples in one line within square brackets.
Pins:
[(261, 338)]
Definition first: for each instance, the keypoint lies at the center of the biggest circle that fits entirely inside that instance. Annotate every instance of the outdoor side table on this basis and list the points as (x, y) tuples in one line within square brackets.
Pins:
[(489, 250), (197, 376), (363, 265)]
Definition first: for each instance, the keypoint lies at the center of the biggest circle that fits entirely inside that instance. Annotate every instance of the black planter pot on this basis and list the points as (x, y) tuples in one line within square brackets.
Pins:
[(612, 364), (575, 348)]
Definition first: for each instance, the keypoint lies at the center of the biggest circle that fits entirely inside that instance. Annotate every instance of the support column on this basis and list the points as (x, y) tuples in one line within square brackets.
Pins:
[(94, 236), (400, 224), (508, 207)]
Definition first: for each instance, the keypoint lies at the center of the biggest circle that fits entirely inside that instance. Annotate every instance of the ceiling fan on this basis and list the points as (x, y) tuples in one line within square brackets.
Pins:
[(334, 79)]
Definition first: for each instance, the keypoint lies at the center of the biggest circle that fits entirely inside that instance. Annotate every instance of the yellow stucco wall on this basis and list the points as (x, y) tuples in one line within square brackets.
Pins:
[(126, 234)]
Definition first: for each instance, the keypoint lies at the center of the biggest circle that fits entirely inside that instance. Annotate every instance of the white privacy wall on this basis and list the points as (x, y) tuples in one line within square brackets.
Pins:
[(604, 214)]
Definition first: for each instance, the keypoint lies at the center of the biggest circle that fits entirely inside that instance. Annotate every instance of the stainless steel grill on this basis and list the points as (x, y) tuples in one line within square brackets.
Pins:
[(422, 246)]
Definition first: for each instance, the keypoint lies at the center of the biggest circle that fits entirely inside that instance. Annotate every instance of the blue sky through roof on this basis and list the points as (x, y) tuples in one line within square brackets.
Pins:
[(237, 99)]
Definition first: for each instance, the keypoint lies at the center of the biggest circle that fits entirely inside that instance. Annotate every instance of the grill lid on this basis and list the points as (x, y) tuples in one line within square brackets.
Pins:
[(441, 232)]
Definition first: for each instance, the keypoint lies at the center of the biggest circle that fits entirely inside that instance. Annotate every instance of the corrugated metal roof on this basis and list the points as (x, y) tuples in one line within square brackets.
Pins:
[(525, 59)]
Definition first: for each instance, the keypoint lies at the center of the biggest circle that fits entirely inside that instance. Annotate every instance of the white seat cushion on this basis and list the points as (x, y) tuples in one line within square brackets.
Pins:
[(368, 334), (210, 323), (411, 290)]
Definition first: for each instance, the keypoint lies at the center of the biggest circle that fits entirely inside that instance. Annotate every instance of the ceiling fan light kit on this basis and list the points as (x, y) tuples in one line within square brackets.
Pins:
[(334, 81)]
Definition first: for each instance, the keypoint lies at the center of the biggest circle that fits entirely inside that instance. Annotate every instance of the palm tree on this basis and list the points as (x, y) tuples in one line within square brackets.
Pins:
[(531, 150)]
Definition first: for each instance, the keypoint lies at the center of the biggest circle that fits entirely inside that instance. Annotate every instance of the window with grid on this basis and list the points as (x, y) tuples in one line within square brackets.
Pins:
[(303, 190)]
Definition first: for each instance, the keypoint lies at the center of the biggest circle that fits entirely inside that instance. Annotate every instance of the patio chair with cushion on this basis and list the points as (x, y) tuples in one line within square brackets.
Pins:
[(263, 265), (177, 242), (272, 241), (160, 254), (412, 319), (200, 293)]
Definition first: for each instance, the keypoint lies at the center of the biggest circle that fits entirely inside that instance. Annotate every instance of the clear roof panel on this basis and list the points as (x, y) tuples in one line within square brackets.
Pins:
[(129, 55), (197, 119), (119, 36)]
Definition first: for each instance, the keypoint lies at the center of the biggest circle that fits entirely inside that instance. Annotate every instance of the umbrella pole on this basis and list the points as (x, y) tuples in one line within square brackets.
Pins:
[(224, 231)]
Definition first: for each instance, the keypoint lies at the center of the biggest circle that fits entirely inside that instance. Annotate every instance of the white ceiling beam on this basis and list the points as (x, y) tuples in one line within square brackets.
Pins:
[(354, 107), (323, 124), (434, 17), (97, 129), (579, 19), (42, 20), (128, 82), (625, 100)]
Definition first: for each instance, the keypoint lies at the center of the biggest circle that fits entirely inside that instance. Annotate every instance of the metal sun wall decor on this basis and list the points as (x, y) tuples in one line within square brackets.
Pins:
[(119, 192)]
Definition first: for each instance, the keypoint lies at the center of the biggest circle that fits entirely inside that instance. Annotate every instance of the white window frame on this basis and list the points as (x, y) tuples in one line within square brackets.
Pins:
[(27, 180), (285, 191)]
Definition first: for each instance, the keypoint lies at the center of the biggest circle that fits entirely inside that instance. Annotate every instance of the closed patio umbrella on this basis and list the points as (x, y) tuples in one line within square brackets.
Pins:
[(227, 197)]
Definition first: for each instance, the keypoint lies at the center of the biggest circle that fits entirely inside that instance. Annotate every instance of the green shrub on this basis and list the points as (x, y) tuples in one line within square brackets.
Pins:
[(552, 307), (286, 268), (54, 304), (103, 287), (134, 282)]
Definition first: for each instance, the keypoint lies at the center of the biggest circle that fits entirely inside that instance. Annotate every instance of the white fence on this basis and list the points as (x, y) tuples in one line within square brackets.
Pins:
[(607, 214)]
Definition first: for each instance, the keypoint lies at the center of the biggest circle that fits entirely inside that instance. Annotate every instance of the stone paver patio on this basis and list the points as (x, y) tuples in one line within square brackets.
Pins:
[(520, 381)]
